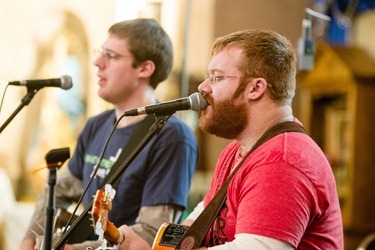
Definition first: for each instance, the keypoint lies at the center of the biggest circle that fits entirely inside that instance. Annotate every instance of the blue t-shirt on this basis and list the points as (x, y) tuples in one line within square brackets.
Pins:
[(160, 174)]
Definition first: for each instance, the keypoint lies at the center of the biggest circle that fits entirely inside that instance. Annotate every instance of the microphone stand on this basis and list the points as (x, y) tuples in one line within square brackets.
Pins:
[(55, 159), (160, 121), (25, 101)]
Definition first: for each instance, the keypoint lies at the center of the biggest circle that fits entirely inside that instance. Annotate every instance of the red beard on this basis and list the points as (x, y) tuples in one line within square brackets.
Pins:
[(223, 118)]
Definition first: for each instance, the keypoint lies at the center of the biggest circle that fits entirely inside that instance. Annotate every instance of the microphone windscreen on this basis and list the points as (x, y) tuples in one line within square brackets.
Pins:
[(66, 82), (197, 102)]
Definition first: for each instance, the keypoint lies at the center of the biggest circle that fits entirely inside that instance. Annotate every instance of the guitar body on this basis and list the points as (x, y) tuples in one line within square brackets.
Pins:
[(168, 236)]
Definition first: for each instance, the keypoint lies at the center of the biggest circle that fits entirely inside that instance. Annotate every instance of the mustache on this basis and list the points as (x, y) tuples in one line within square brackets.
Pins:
[(208, 99)]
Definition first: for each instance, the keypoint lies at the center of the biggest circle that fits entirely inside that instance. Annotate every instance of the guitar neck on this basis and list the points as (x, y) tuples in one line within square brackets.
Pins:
[(103, 227)]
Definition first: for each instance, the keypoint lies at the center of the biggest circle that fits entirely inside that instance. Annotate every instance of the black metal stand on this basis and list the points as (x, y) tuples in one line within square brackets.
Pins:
[(55, 159), (160, 121), (25, 101), (50, 208)]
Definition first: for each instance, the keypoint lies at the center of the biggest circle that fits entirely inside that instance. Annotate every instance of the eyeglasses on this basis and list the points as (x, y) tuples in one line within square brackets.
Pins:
[(214, 78), (108, 54)]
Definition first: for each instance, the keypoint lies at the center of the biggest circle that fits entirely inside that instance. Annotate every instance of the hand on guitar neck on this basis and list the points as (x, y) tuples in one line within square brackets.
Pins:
[(105, 229)]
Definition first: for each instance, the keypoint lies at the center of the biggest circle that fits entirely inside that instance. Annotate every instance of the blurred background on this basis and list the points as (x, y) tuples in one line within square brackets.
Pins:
[(335, 96)]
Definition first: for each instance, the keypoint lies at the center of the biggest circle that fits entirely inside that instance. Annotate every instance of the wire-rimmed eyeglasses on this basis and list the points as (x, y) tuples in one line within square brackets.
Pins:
[(215, 78), (108, 54)]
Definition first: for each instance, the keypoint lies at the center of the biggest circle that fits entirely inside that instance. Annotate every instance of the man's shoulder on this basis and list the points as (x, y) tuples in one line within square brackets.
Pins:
[(102, 117), (95, 122)]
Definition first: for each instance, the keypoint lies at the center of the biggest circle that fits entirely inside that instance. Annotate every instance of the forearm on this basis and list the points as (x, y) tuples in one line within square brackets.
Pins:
[(151, 218), (67, 189), (36, 225)]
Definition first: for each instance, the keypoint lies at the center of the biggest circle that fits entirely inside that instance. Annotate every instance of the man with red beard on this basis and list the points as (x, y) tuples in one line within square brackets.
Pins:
[(284, 194)]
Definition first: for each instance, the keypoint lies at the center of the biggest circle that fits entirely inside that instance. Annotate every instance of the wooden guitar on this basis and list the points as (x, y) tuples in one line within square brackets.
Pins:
[(168, 236), (103, 227)]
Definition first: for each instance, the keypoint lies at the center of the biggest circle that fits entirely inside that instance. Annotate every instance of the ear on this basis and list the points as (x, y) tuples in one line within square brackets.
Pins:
[(146, 69), (256, 88)]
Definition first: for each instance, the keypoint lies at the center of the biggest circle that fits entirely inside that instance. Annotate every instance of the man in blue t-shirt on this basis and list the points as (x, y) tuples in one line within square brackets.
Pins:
[(134, 59)]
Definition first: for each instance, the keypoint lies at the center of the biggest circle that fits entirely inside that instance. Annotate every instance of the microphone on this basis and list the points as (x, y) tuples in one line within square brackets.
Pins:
[(306, 48), (64, 82), (195, 102)]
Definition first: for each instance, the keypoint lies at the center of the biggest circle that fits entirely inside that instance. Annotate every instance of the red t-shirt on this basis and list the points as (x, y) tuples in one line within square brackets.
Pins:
[(284, 190)]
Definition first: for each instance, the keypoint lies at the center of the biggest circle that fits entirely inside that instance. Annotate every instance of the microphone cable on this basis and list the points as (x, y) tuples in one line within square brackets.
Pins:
[(93, 175), (3, 97)]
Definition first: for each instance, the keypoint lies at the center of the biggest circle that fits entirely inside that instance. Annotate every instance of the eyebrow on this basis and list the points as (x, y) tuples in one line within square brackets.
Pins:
[(109, 50), (212, 71)]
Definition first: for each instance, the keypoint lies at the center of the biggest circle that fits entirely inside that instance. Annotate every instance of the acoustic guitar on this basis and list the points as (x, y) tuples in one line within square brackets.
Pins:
[(167, 237)]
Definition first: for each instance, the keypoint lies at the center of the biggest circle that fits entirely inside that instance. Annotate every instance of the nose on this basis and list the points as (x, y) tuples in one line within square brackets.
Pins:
[(99, 62), (205, 87)]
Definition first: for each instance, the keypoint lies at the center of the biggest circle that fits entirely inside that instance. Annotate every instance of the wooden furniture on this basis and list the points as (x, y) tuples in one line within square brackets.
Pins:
[(336, 103)]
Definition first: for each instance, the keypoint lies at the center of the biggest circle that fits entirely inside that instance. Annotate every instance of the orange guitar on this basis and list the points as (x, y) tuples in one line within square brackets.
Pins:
[(103, 227), (168, 236)]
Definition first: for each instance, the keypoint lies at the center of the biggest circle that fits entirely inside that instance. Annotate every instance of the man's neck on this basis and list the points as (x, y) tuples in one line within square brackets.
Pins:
[(138, 99), (260, 123)]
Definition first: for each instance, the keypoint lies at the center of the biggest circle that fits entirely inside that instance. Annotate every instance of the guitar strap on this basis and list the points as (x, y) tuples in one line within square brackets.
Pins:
[(196, 233), (138, 134)]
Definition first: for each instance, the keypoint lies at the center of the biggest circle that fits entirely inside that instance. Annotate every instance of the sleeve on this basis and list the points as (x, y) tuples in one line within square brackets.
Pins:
[(151, 218), (246, 241), (196, 212), (95, 244), (67, 189)]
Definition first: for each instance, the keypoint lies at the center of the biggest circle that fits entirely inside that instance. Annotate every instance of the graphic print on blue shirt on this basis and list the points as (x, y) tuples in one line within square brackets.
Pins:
[(105, 165)]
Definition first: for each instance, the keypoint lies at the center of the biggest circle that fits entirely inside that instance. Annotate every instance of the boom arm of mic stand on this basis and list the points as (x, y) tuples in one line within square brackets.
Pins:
[(25, 101), (160, 121)]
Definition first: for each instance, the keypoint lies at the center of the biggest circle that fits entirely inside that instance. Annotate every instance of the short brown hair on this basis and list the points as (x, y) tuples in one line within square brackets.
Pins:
[(266, 54), (147, 40)]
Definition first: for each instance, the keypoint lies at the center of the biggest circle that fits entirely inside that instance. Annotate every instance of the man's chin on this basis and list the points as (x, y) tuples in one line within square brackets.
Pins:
[(204, 123)]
